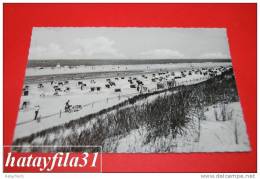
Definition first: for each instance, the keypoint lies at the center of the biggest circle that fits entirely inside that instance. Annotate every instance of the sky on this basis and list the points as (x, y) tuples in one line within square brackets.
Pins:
[(128, 43)]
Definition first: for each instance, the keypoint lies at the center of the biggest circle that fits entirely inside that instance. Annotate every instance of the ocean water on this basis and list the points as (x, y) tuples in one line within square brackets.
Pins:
[(76, 62)]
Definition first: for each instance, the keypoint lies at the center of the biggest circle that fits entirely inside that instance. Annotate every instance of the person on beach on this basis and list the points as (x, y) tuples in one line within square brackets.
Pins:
[(36, 110), (67, 106)]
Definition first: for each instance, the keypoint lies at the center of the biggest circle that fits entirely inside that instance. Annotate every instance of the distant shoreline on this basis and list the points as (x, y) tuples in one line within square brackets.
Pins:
[(77, 62), (46, 75), (80, 76)]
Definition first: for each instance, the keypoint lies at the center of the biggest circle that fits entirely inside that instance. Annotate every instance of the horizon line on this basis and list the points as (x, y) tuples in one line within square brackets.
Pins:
[(137, 59)]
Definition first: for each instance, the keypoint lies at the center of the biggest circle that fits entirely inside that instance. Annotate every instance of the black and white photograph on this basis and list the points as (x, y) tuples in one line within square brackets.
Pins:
[(130, 90)]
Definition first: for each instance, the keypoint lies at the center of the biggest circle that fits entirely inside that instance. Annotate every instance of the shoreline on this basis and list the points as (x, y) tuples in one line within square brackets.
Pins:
[(106, 71)]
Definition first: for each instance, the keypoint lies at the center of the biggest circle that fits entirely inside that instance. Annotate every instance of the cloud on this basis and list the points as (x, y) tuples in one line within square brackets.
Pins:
[(161, 54), (82, 48), (52, 50), (76, 52), (215, 55), (99, 47)]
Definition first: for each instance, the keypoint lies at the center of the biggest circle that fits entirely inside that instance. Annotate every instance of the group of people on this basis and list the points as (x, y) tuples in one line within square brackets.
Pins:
[(37, 109)]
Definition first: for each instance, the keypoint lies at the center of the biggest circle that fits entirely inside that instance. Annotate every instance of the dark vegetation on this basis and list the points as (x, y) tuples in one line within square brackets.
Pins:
[(164, 116)]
